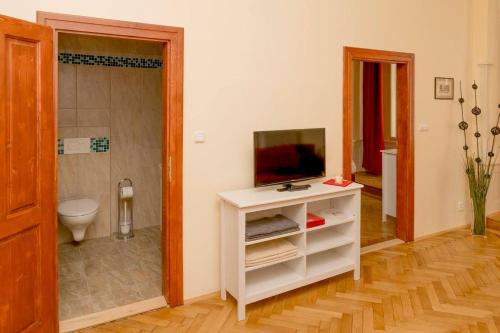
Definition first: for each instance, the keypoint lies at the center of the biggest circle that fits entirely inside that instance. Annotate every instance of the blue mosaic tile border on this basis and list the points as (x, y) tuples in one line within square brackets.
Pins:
[(97, 145), (60, 146), (110, 61)]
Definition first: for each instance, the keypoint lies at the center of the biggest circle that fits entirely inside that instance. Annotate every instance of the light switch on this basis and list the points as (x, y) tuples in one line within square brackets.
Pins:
[(423, 127), (76, 146), (199, 136)]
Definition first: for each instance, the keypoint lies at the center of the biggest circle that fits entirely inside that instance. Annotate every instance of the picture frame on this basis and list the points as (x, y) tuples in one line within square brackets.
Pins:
[(444, 88)]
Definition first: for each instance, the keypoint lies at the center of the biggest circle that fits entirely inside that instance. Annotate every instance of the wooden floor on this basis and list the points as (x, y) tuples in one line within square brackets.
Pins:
[(369, 179), (373, 230), (449, 283)]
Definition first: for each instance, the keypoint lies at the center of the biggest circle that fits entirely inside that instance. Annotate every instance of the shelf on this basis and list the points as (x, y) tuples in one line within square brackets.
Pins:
[(275, 237), (269, 281), (322, 251), (332, 220), (253, 268), (326, 241), (325, 264)]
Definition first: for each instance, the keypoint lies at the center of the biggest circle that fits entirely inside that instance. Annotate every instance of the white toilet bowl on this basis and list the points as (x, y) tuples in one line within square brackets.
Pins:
[(77, 215)]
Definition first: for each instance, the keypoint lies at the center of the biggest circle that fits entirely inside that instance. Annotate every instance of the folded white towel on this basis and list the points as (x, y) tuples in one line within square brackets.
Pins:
[(279, 255), (273, 250), (271, 259)]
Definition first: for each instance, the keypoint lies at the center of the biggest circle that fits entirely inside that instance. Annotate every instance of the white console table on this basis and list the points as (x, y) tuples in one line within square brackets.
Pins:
[(323, 251), (389, 182)]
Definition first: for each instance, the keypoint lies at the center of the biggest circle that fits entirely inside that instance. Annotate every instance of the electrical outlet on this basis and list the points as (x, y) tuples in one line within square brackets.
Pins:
[(460, 206)]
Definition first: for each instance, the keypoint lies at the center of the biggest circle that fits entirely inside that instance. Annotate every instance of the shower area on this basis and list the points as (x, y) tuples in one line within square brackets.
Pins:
[(109, 131)]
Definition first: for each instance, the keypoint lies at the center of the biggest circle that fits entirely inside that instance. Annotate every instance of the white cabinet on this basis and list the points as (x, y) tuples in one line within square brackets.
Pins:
[(322, 252), (389, 184)]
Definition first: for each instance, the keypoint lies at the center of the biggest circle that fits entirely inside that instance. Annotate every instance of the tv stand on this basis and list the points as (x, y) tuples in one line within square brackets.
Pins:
[(322, 252), (291, 188)]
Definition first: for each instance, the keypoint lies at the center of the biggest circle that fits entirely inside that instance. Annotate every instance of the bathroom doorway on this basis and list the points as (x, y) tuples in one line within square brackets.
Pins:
[(378, 148), (119, 103), (109, 129)]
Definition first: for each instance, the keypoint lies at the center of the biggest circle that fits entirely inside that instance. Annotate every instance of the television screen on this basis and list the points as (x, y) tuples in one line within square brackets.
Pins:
[(288, 155)]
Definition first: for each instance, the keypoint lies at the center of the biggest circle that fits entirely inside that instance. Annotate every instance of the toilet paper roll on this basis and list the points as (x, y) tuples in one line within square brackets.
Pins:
[(126, 192)]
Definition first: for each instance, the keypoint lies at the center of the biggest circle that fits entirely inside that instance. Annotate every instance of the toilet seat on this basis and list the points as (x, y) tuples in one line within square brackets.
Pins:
[(77, 207)]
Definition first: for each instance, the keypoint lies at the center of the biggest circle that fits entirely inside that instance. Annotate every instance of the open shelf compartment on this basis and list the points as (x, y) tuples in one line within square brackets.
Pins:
[(329, 263), (274, 279), (296, 213), (335, 211), (298, 240)]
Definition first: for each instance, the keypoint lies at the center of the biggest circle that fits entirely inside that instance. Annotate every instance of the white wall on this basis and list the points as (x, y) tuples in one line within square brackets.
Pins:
[(259, 64), (486, 71)]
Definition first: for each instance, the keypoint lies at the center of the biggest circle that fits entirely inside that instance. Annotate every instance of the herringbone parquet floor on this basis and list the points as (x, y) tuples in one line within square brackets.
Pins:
[(449, 283)]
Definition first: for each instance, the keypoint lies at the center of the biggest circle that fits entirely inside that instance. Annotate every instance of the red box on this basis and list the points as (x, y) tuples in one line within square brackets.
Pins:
[(314, 220)]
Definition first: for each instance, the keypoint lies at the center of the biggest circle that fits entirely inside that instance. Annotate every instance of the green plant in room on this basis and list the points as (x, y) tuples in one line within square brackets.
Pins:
[(478, 168)]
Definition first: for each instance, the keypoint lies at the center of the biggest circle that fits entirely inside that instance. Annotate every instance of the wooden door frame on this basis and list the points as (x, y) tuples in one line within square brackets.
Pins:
[(405, 128), (173, 58)]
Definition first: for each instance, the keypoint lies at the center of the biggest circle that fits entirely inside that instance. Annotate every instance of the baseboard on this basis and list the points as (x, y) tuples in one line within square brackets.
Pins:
[(372, 191), (202, 297), (102, 317), (381, 245), (442, 232), (493, 217)]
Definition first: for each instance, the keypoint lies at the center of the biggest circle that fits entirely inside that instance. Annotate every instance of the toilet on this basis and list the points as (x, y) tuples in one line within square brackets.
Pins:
[(77, 215)]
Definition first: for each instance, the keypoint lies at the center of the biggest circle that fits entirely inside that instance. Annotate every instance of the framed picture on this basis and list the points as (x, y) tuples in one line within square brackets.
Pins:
[(443, 88)]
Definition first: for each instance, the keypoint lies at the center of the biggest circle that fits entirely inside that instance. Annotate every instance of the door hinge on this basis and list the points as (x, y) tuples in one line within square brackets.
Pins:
[(170, 169)]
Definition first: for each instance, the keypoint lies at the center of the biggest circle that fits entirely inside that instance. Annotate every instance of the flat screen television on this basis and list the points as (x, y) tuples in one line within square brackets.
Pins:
[(282, 157)]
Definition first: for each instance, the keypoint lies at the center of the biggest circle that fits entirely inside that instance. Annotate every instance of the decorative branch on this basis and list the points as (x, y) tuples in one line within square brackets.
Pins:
[(478, 172), (463, 124), (495, 131), (476, 112)]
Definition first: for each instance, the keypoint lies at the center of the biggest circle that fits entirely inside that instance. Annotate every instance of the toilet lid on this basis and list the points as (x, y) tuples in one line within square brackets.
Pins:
[(77, 207)]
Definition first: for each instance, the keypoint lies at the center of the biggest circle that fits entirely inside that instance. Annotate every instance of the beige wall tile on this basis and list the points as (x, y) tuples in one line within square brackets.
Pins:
[(67, 132), (92, 117), (126, 87), (108, 46), (125, 105), (93, 87), (93, 132), (68, 178), (67, 86), (142, 165), (152, 88), (136, 134), (66, 118), (94, 183), (123, 125)]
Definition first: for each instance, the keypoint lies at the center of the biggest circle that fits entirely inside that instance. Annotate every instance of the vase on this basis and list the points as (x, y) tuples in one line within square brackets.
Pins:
[(478, 227)]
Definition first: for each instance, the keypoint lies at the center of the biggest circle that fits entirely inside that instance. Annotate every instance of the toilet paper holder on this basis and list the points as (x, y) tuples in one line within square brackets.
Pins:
[(125, 209)]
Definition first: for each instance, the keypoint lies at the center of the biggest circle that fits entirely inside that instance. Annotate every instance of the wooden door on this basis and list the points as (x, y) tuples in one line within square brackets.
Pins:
[(28, 290)]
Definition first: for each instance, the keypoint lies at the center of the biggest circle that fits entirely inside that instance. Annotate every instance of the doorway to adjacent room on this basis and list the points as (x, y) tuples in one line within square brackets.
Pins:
[(378, 146)]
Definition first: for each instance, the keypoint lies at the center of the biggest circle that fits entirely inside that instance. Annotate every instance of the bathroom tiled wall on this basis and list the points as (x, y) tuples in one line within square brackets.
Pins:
[(136, 132), (121, 105)]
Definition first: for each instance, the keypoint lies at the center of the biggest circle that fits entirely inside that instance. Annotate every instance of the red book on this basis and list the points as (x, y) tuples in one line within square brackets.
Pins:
[(314, 220), (333, 182)]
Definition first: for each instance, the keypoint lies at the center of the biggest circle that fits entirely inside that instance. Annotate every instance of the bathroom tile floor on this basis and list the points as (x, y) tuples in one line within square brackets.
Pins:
[(104, 273)]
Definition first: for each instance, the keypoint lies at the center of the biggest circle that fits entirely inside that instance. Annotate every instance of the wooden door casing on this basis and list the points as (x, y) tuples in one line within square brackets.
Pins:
[(28, 270), (172, 159), (405, 128)]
